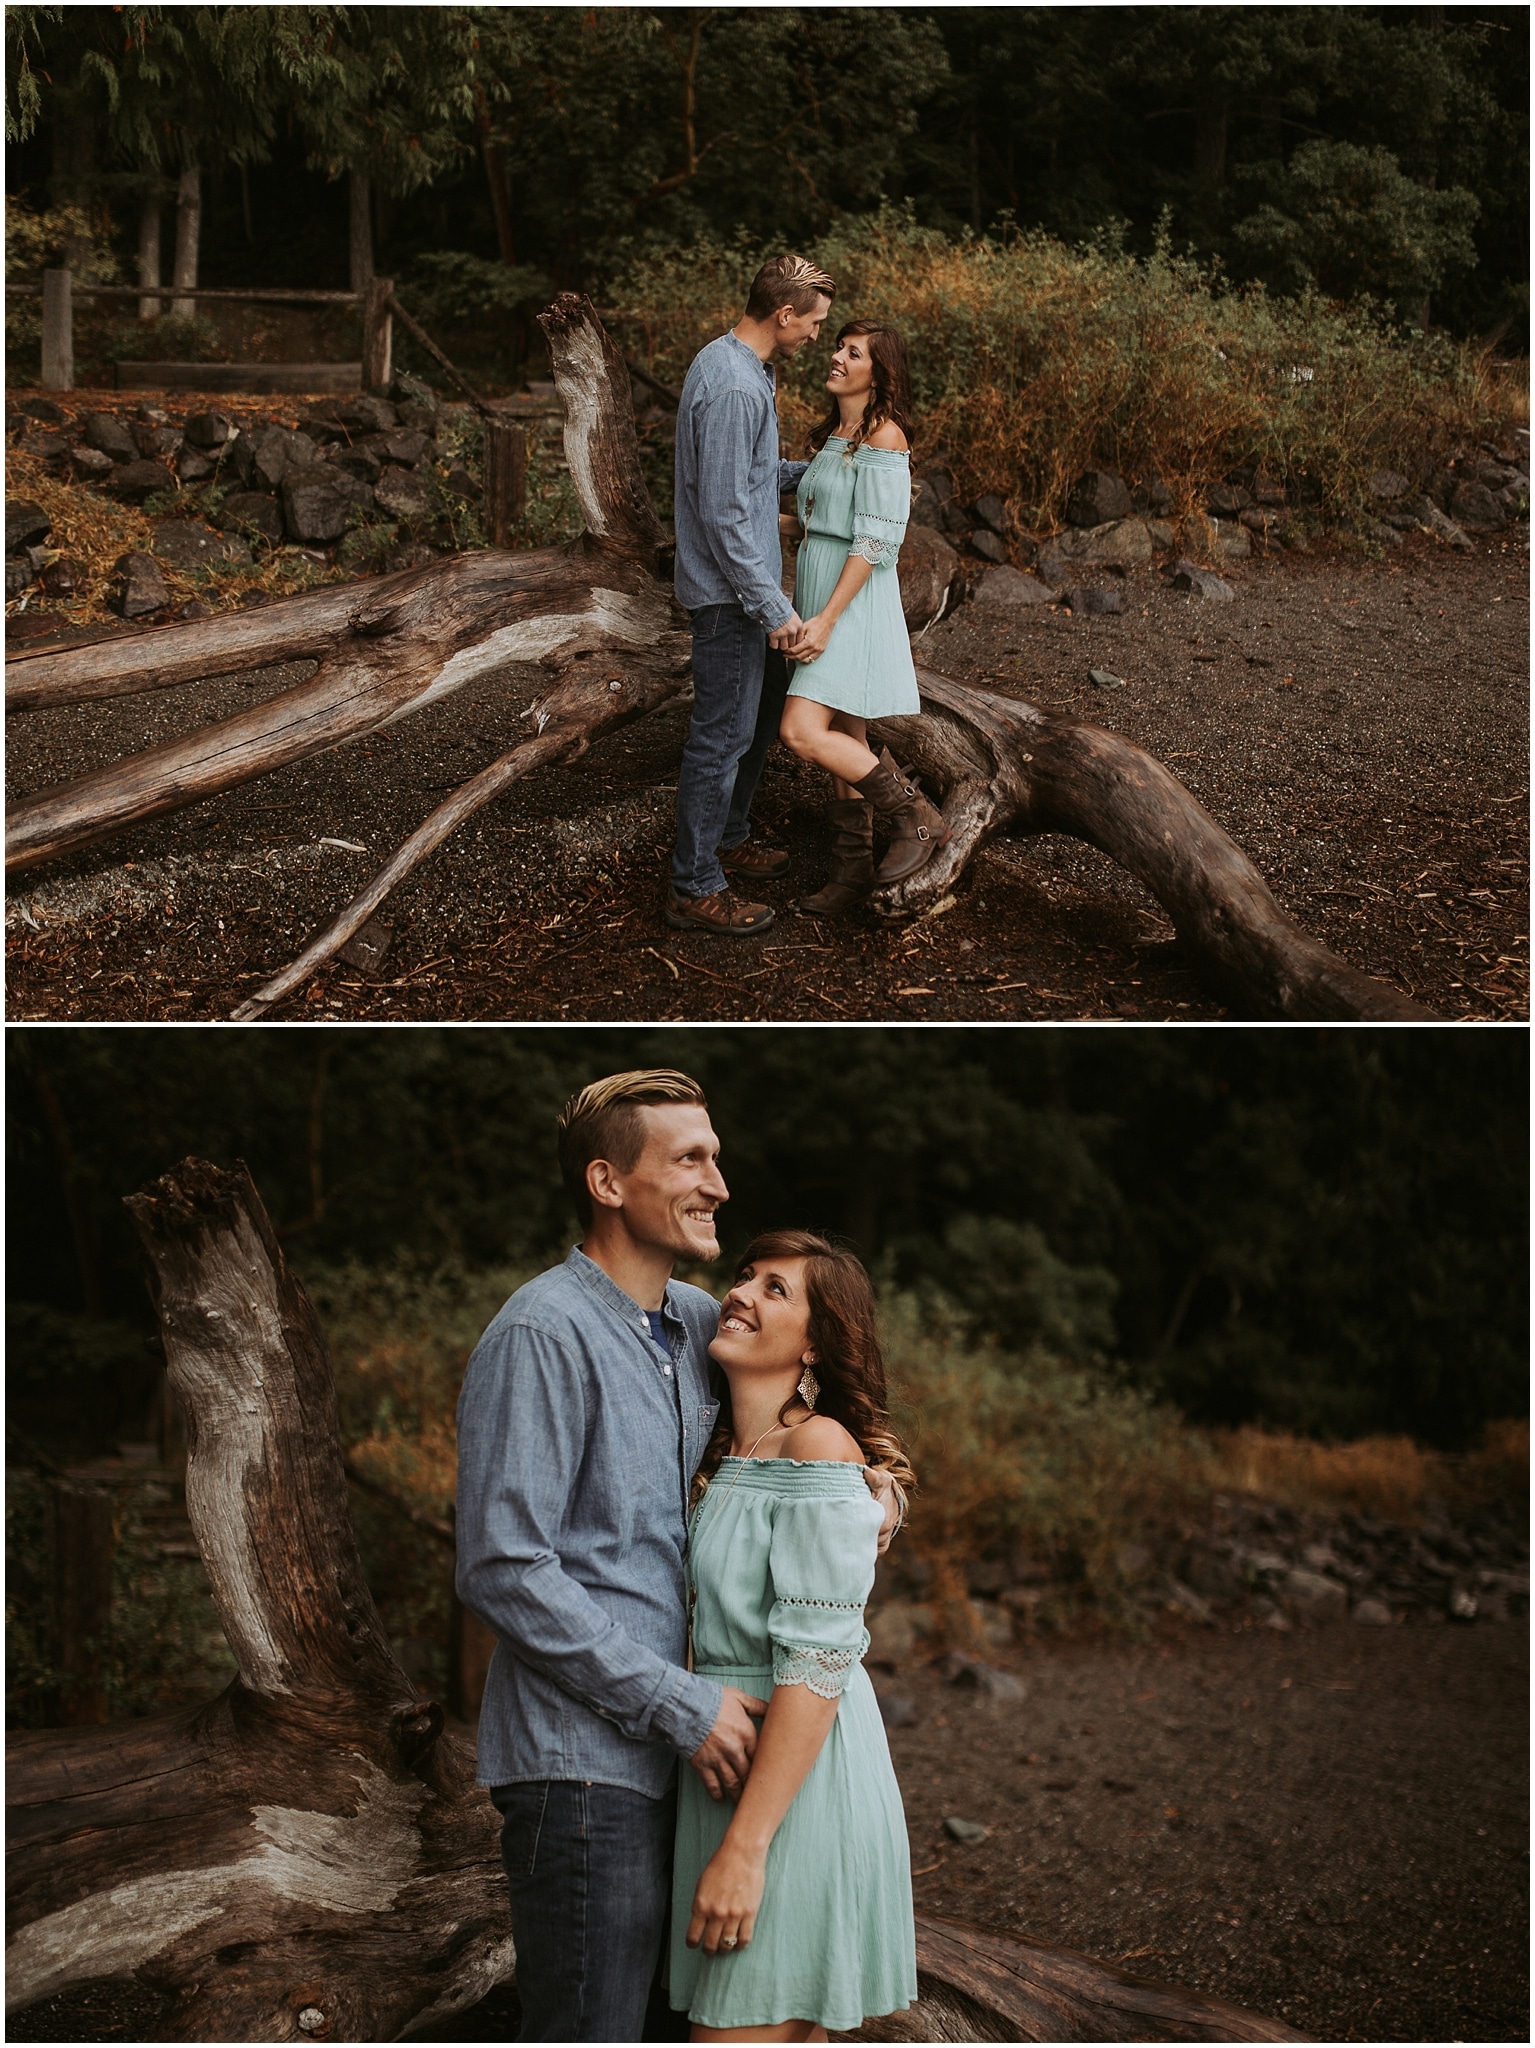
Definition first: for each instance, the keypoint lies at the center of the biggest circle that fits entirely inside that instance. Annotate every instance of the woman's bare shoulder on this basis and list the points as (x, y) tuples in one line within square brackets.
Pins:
[(888, 435), (823, 1438)]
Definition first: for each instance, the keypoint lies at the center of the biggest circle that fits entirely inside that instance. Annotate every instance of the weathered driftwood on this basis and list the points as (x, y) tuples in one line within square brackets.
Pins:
[(405, 641), (1005, 765), (591, 697), (307, 1857), (975, 1986), (310, 1843), (384, 650)]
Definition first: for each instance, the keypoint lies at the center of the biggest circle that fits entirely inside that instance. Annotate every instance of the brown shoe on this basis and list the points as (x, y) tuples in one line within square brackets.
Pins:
[(852, 860), (756, 860), (919, 827), (721, 912)]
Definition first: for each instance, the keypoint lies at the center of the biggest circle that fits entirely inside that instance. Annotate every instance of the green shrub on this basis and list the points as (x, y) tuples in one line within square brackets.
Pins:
[(163, 1645), (1027, 1452), (38, 241), (173, 338), (449, 285), (1032, 360), (400, 1337)]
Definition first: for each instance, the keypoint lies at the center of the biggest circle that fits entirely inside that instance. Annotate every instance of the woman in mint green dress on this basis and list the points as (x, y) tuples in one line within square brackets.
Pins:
[(791, 1911), (853, 657)]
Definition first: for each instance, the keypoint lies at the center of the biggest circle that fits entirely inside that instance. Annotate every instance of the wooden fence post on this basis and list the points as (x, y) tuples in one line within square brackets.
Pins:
[(58, 331), (506, 480), (80, 1546), (377, 335)]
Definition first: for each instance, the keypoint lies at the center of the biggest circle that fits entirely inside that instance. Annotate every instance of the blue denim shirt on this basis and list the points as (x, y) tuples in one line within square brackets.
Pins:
[(729, 476), (577, 1444)]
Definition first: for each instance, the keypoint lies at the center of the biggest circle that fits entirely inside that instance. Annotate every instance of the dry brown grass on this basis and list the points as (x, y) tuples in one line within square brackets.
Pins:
[(1027, 1457), (1033, 1456), (1389, 1476), (1032, 360)]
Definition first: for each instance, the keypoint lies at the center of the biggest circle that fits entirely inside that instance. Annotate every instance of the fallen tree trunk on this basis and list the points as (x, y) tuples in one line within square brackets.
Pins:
[(402, 648), (386, 649), (403, 642), (588, 700), (308, 1857), (975, 1986), (1007, 766)]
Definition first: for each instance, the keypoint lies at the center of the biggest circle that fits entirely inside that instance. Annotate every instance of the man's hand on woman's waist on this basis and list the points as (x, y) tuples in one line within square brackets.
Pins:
[(724, 1759)]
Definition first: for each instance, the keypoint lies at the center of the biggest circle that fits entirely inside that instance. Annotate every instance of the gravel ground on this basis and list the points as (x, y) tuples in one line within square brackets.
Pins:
[(1329, 1827), (1360, 727)]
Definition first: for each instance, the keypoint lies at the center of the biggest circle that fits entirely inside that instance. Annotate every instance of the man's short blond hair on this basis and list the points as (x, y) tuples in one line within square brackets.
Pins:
[(787, 281), (603, 1121)]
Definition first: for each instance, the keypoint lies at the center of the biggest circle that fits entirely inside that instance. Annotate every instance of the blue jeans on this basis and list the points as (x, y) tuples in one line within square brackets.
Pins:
[(739, 686), (589, 1868)]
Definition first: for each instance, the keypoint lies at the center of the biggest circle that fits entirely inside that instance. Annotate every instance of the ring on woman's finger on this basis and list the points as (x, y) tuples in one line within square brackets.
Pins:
[(727, 1941)]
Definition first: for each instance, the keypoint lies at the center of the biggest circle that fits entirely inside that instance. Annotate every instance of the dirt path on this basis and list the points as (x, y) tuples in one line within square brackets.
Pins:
[(1360, 727), (1330, 1827)]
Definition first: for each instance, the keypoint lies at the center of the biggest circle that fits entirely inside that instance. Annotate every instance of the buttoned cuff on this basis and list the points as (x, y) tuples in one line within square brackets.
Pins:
[(688, 1710), (775, 615)]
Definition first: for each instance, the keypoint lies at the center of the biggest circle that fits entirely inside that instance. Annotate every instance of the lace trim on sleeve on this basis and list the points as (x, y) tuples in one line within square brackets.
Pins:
[(875, 551), (824, 1672)]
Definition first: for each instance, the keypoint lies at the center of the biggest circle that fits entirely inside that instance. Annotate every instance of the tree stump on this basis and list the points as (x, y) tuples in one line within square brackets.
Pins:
[(307, 1856), (58, 372)]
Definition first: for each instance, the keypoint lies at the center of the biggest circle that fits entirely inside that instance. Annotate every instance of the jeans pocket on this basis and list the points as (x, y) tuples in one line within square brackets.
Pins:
[(522, 1813)]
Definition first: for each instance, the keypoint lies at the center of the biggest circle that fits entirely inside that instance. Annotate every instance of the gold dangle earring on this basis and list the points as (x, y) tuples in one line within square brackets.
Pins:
[(809, 1387)]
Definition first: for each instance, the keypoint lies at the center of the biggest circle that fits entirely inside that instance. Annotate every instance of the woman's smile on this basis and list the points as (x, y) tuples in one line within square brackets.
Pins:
[(766, 1307)]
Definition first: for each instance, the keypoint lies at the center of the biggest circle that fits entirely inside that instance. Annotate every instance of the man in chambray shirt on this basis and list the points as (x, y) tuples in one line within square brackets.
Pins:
[(729, 478), (584, 1414)]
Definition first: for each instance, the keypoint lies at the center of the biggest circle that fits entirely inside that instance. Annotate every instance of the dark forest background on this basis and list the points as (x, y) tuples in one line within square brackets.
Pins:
[(502, 151), (1319, 1230)]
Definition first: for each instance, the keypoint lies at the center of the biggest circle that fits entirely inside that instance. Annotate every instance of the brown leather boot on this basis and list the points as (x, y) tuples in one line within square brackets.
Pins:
[(919, 827), (902, 775), (852, 860)]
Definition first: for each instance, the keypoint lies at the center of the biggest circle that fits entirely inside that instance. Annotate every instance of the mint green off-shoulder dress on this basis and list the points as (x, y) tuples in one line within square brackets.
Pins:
[(782, 1560), (856, 504)]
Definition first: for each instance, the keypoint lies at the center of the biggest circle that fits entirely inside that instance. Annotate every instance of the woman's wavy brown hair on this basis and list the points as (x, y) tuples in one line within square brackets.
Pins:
[(890, 398), (844, 1335)]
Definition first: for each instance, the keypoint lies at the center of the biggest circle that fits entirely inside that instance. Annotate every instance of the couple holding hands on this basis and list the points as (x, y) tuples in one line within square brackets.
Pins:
[(815, 671)]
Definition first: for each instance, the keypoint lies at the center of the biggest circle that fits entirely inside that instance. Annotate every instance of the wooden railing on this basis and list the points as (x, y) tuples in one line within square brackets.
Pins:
[(59, 292)]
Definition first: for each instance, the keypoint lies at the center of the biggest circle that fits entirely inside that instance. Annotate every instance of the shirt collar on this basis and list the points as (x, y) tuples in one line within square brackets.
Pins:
[(591, 1275), (765, 367)]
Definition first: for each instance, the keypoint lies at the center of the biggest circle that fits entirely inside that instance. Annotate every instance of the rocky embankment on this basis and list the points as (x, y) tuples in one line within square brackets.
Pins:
[(369, 484), (1253, 1562), (1113, 528)]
